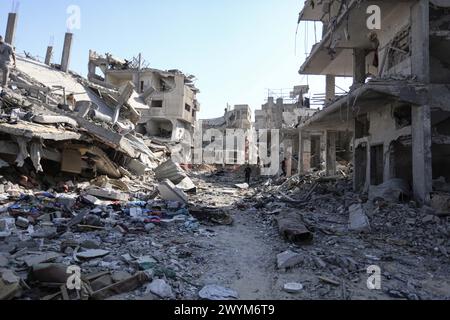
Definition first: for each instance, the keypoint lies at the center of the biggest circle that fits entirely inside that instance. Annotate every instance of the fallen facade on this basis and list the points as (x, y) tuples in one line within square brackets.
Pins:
[(397, 109)]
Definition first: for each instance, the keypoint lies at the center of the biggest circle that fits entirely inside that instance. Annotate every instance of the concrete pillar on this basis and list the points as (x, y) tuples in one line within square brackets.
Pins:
[(324, 29), (359, 66), (420, 42), (387, 172), (11, 28), (422, 156), (304, 157), (331, 153), (49, 55), (323, 150), (91, 70), (65, 59), (288, 156), (368, 167), (300, 169), (330, 88)]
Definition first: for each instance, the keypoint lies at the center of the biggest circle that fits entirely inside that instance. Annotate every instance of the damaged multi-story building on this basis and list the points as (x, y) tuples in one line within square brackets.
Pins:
[(236, 129), (398, 109), (170, 96), (285, 111), (238, 117)]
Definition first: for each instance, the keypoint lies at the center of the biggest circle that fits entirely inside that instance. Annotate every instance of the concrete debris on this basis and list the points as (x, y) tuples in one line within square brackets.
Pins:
[(292, 229), (358, 220), (171, 171), (123, 286), (49, 273), (212, 215), (187, 185), (170, 192), (394, 190), (92, 254), (4, 261), (288, 259), (42, 128), (440, 202), (108, 194), (242, 186), (9, 277), (215, 292), (161, 289), (9, 291), (31, 260)]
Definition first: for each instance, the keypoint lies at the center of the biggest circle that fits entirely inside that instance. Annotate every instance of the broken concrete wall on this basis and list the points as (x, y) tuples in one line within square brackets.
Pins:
[(382, 132), (396, 35)]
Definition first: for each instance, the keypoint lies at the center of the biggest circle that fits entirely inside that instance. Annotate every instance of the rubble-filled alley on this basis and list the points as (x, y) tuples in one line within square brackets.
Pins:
[(100, 198), (282, 239)]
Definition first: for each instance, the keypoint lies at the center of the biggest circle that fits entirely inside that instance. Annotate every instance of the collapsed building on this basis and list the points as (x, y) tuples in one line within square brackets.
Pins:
[(397, 110), (50, 116), (170, 97), (55, 121), (286, 114)]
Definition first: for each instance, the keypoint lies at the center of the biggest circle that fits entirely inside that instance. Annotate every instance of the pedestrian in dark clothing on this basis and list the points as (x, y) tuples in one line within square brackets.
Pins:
[(248, 174)]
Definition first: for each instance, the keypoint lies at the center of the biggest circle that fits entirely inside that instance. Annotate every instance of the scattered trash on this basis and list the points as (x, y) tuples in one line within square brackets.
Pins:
[(293, 287)]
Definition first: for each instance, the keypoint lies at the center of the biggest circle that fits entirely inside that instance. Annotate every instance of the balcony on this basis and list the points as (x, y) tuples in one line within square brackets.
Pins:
[(346, 29)]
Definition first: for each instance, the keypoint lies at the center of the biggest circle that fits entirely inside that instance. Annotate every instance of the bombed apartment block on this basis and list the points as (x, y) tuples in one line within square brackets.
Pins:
[(238, 117), (170, 97), (284, 109), (397, 111)]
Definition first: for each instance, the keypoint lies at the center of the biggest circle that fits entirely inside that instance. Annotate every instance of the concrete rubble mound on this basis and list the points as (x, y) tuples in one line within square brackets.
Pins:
[(89, 132), (81, 214)]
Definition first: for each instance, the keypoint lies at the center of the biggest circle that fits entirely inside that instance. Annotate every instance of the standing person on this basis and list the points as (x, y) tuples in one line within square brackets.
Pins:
[(283, 167), (71, 101), (248, 174), (6, 55)]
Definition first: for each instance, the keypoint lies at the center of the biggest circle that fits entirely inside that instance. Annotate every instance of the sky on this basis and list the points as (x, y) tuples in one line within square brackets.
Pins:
[(236, 49)]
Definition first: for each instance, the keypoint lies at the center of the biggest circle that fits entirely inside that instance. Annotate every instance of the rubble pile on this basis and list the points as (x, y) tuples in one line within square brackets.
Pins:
[(332, 235), (77, 189), (109, 236), (87, 132)]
